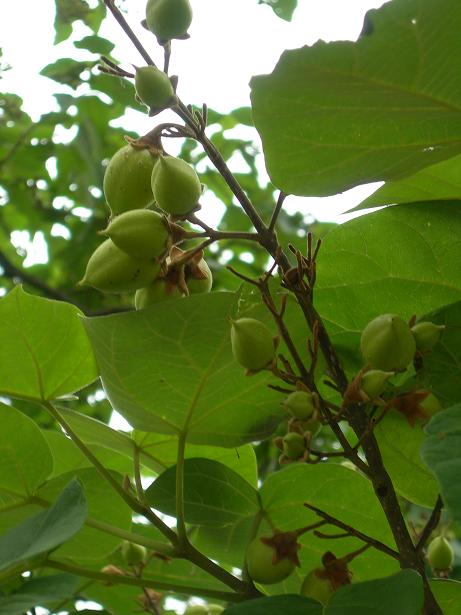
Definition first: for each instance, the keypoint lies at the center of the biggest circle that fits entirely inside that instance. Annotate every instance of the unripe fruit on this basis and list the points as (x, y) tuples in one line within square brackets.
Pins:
[(301, 404), (168, 19), (316, 587), (153, 87), (159, 290), (374, 382), (440, 554), (252, 343), (294, 445), (133, 554), (111, 270), (127, 180), (426, 334), (176, 186), (387, 343), (260, 566), (141, 233), (201, 279)]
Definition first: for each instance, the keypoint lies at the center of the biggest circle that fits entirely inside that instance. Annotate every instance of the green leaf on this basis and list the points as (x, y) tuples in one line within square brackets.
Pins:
[(68, 11), (400, 447), (46, 530), (39, 592), (401, 260), (448, 595), (441, 371), (170, 369), (95, 44), (275, 605), (47, 340), (339, 114), (104, 507), (435, 183), (400, 594), (214, 495), (282, 8), (66, 71), (25, 457), (442, 453)]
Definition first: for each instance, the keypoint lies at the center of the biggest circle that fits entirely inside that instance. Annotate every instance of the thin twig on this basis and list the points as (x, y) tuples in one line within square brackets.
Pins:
[(377, 544), (276, 212), (430, 525)]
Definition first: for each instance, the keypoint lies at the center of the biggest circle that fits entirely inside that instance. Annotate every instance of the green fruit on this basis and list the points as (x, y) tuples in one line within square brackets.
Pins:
[(153, 87), (133, 554), (141, 233), (374, 382), (440, 554), (387, 343), (294, 445), (111, 270), (176, 186), (168, 19), (252, 343), (127, 180), (195, 282), (301, 404), (426, 335), (260, 566), (159, 290), (316, 587)]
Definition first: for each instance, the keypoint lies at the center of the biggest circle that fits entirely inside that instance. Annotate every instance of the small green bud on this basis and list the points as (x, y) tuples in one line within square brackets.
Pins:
[(153, 87), (301, 404), (427, 335), (176, 186), (260, 563), (133, 554), (141, 233), (387, 343), (374, 382), (440, 555), (294, 445), (111, 270), (316, 587), (252, 343), (199, 278), (168, 19), (127, 180)]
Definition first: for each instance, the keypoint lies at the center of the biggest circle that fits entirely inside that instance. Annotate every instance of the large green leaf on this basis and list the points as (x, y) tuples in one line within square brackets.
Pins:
[(441, 372), (400, 594), (442, 453), (46, 530), (170, 369), (25, 457), (283, 8), (47, 340), (214, 495), (39, 592), (402, 260), (276, 605), (435, 183), (339, 114), (448, 595), (400, 446)]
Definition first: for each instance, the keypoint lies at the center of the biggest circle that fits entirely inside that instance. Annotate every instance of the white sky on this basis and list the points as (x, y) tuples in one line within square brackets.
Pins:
[(231, 40)]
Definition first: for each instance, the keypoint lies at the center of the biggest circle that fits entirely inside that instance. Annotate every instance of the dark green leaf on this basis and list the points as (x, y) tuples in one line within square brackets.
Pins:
[(339, 114), (214, 495), (95, 44), (39, 592), (442, 453), (448, 595), (283, 8), (276, 605), (47, 339), (66, 71), (46, 530), (401, 594)]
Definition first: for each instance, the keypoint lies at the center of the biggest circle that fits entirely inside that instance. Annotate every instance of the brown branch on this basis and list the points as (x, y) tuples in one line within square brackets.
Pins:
[(430, 525), (377, 544), (276, 212)]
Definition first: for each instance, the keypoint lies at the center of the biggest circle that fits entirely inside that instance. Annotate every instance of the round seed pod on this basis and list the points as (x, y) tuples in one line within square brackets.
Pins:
[(176, 186), (153, 87), (387, 343), (260, 564), (252, 343), (317, 587), (200, 280), (300, 404), (133, 554), (127, 180), (159, 290), (374, 382), (294, 445), (168, 19), (426, 335), (111, 270), (440, 555)]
